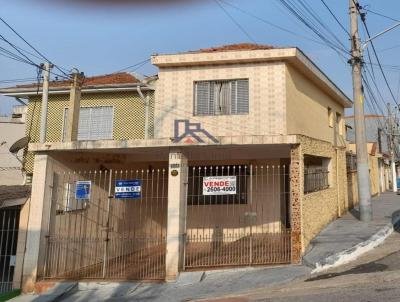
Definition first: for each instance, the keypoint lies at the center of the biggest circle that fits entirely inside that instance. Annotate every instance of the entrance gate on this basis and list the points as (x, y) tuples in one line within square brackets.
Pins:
[(237, 215), (9, 225), (95, 233)]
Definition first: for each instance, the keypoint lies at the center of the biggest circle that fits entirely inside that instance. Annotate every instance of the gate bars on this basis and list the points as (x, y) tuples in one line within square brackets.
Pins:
[(247, 228), (105, 237), (8, 246)]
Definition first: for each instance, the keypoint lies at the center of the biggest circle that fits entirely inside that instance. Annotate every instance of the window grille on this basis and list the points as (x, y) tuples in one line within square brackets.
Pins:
[(94, 123), (315, 179), (221, 97)]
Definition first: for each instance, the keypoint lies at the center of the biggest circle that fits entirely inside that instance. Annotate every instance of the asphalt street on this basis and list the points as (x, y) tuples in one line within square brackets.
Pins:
[(373, 277)]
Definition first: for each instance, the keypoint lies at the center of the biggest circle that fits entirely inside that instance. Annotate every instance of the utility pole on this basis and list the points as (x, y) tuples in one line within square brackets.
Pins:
[(45, 96), (364, 193), (391, 147)]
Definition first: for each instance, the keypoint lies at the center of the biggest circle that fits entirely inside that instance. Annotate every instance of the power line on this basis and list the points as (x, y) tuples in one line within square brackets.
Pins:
[(381, 15), (294, 10), (375, 53), (17, 80), (31, 46), (234, 21), (13, 46), (137, 65), (309, 9), (334, 16), (24, 59), (270, 23)]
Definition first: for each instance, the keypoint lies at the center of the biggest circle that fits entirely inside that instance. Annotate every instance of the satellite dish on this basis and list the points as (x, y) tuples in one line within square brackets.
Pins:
[(19, 144)]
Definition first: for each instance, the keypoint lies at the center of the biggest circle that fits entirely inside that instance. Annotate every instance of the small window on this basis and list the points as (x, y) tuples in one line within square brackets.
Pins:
[(316, 173), (339, 125), (221, 97), (94, 123), (330, 117)]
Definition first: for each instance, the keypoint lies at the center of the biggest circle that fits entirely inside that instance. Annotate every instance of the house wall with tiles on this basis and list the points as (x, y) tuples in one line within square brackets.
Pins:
[(321, 207), (267, 108), (128, 116)]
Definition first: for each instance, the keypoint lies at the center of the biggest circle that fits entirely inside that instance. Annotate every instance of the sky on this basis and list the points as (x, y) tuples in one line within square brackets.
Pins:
[(103, 38)]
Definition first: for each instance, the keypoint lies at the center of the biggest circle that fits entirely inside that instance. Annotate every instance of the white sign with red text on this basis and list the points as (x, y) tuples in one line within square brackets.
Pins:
[(219, 185)]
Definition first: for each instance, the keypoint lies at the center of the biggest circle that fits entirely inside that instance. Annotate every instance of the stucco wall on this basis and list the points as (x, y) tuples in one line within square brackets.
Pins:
[(321, 207), (374, 174), (10, 167), (175, 99), (307, 109)]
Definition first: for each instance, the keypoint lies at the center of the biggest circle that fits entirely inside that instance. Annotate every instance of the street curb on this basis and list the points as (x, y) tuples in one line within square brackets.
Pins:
[(356, 251)]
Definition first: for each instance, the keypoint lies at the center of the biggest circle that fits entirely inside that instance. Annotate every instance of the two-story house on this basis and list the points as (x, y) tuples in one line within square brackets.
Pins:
[(244, 166)]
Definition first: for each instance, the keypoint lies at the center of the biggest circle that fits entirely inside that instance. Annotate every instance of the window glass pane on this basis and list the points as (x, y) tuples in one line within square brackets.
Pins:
[(203, 100), (242, 96), (94, 123), (221, 97)]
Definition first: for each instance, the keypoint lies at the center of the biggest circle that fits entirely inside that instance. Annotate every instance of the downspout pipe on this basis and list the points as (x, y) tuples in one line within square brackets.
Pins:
[(337, 184), (146, 111)]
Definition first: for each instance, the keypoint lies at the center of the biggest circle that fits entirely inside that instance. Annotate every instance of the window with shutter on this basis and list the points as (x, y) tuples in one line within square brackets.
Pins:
[(94, 123), (221, 97)]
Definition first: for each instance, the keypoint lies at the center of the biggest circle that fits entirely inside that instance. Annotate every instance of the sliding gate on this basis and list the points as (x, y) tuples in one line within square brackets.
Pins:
[(108, 224), (237, 215)]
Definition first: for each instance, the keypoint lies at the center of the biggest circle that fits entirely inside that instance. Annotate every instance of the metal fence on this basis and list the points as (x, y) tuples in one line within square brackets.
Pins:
[(315, 179), (102, 236), (9, 225), (237, 215)]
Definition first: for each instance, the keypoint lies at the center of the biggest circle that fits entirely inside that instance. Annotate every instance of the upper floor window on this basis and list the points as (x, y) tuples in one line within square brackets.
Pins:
[(221, 97), (339, 124), (94, 123), (330, 117)]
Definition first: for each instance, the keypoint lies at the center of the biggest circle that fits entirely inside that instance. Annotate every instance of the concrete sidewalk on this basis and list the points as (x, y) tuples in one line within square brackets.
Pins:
[(340, 242), (347, 238)]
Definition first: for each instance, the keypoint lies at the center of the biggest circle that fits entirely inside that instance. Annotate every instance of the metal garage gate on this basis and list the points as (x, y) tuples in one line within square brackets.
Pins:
[(237, 215), (9, 225), (108, 224)]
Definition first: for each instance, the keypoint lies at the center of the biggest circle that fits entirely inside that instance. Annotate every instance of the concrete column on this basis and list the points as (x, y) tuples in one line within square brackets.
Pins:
[(176, 225), (74, 107), (38, 221), (296, 198), (21, 243)]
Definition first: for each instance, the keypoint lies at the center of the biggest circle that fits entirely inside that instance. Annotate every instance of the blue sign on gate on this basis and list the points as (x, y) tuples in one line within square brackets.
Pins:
[(82, 189), (128, 188)]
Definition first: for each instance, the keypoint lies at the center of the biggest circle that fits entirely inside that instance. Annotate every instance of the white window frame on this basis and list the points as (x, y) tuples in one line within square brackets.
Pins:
[(195, 101), (97, 106)]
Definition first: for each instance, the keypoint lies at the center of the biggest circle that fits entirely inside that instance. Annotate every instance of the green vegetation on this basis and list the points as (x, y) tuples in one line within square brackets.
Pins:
[(9, 295)]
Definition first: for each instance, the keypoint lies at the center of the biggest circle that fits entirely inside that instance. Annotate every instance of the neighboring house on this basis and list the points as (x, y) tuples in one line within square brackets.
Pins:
[(245, 164), (378, 159), (14, 200), (109, 103), (14, 211), (12, 128)]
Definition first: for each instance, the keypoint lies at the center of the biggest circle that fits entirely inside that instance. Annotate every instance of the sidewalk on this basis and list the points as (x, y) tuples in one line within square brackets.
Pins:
[(341, 241), (346, 238)]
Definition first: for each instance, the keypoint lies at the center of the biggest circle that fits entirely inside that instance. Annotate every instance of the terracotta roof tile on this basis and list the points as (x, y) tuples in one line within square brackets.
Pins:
[(108, 79), (234, 47)]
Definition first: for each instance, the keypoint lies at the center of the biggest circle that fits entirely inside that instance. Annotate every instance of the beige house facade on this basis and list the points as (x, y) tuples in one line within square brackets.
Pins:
[(245, 163)]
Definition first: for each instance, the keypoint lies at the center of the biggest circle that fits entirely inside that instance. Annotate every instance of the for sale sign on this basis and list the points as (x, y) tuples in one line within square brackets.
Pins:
[(128, 188), (219, 185)]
